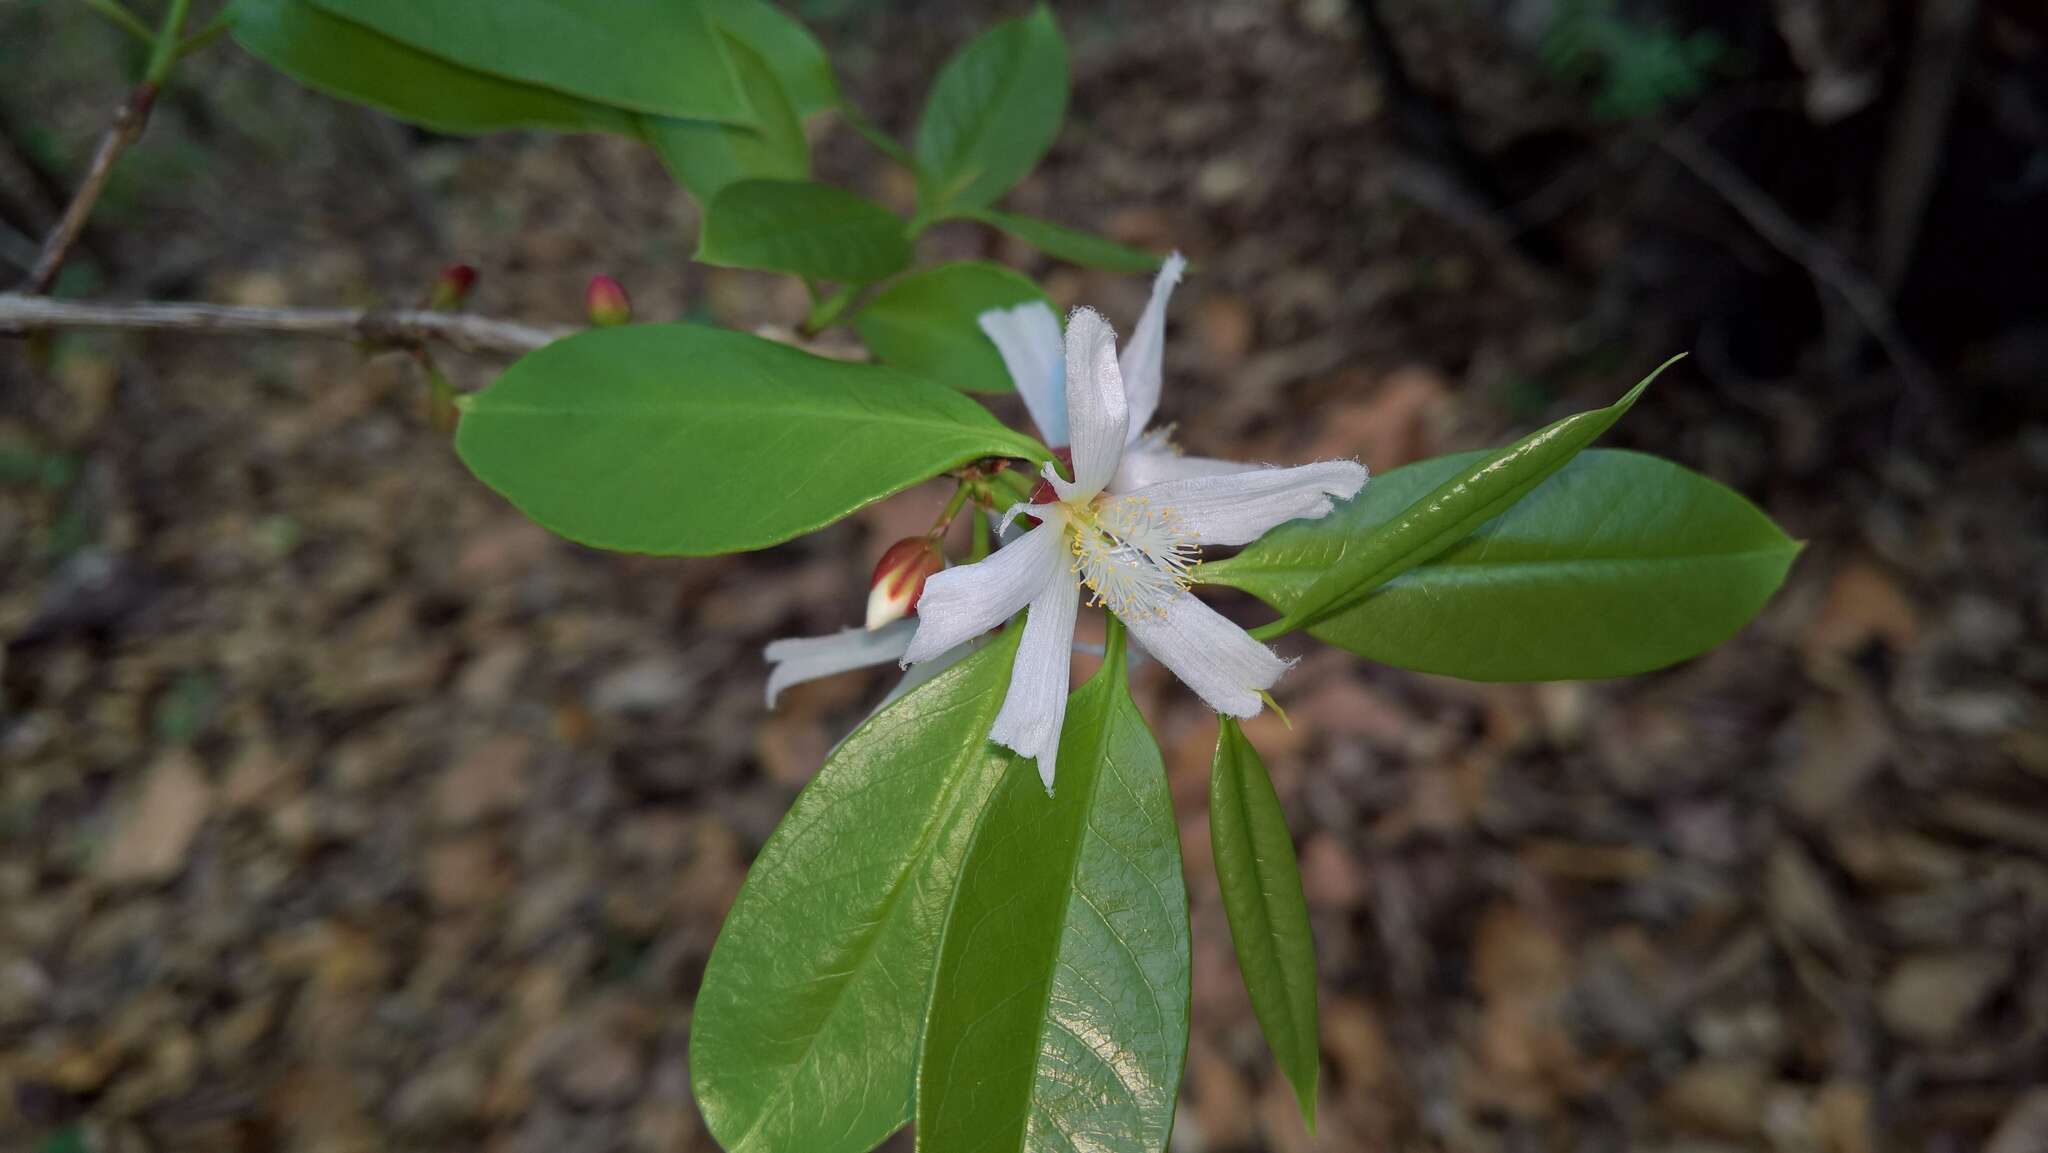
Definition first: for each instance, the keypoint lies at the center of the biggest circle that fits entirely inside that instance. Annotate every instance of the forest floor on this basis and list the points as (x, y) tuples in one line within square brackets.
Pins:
[(342, 809)]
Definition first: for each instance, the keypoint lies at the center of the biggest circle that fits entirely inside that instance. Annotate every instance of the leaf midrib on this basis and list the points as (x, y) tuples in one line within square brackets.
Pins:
[(1233, 579)]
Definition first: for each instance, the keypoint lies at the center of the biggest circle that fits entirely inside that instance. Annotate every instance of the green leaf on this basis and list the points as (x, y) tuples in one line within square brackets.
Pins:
[(1059, 1018), (654, 56), (1068, 244), (705, 157), (1268, 916), (927, 323), (807, 1026), (797, 59), (677, 439), (348, 61), (805, 229), (1618, 564), (991, 114), (1446, 515)]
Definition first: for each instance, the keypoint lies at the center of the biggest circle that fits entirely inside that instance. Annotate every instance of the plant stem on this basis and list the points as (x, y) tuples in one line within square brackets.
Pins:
[(127, 125), (129, 120), (404, 328), (978, 539), (203, 37), (1113, 644), (883, 142), (953, 505), (825, 313), (122, 18), (165, 52)]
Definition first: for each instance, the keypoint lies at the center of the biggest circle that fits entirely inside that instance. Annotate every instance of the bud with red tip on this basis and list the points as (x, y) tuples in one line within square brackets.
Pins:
[(606, 303), (899, 579), (451, 288)]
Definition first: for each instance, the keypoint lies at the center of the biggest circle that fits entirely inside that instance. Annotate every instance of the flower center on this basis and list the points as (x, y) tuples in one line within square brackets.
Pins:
[(1134, 556)]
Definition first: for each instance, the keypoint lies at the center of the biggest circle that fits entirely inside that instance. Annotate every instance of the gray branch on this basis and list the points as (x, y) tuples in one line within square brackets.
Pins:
[(382, 328)]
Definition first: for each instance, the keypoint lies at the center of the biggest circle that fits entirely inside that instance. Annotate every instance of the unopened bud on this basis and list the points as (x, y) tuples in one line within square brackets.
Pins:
[(899, 579), (606, 303), (451, 288)]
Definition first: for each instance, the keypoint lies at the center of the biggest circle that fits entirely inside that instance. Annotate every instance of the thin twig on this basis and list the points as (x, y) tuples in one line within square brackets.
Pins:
[(382, 328), (122, 18), (1826, 266), (128, 123)]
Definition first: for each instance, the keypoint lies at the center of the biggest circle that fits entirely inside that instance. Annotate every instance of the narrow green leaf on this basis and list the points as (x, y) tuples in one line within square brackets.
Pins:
[(991, 115), (1449, 513), (1068, 244), (705, 157), (805, 229), (678, 439), (655, 56), (348, 61), (798, 60), (1268, 916), (927, 323), (1618, 564), (1059, 1017), (807, 1026)]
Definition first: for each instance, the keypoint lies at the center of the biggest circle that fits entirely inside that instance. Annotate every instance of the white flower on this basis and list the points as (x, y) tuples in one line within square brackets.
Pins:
[(1133, 548), (1028, 337)]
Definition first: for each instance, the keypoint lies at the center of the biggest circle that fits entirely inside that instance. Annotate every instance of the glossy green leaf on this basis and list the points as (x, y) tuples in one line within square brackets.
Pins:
[(1618, 564), (1068, 244), (655, 56), (1268, 915), (1361, 562), (992, 113), (1059, 1017), (927, 323), (705, 157), (807, 1025), (805, 229), (685, 440), (797, 59), (348, 61)]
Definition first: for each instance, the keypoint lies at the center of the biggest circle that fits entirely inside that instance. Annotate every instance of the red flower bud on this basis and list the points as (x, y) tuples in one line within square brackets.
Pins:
[(451, 288), (606, 303), (899, 579)]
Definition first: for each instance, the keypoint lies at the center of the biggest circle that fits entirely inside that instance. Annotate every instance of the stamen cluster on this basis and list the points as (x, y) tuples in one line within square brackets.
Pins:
[(1132, 555)]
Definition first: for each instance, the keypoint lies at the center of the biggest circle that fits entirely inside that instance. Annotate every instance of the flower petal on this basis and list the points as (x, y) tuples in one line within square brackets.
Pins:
[(1097, 415), (800, 659), (1210, 654), (1153, 459), (1239, 508), (1144, 357), (1035, 708), (963, 603), (1028, 337)]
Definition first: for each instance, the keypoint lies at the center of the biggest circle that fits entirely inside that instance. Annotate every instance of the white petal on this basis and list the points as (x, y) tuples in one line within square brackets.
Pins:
[(1153, 460), (1096, 413), (800, 659), (1240, 507), (1220, 661), (1028, 337), (964, 602), (1144, 357), (1035, 708)]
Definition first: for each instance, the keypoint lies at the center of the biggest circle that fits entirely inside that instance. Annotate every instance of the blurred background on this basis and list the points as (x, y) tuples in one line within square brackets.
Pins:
[(342, 810)]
